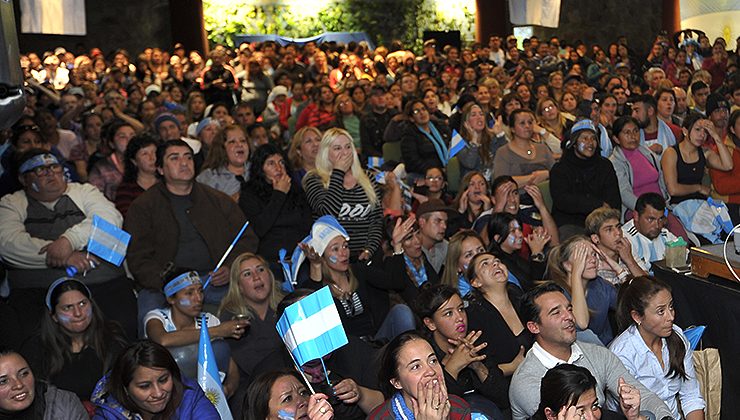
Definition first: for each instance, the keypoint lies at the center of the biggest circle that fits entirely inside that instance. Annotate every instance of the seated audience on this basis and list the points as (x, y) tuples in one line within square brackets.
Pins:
[(727, 183), (26, 397), (548, 315), (581, 181), (524, 159), (226, 167), (573, 265), (107, 174), (45, 229), (617, 263), (424, 143), (145, 382), (462, 247), (492, 309), (283, 394), (140, 173), (274, 204), (76, 345), (467, 369), (411, 377), (303, 151), (339, 187), (505, 240), (654, 349), (647, 231)]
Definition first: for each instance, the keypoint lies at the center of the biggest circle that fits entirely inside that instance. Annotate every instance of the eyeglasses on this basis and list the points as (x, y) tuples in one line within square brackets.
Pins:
[(434, 178), (26, 127), (548, 108), (418, 110), (54, 168)]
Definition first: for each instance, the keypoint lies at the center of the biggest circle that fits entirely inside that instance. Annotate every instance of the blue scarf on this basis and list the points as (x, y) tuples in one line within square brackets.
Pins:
[(399, 408), (462, 285), (436, 139), (420, 276)]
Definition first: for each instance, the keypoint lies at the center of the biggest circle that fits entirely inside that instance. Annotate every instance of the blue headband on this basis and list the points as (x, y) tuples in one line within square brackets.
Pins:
[(38, 160), (59, 282), (180, 282), (585, 124)]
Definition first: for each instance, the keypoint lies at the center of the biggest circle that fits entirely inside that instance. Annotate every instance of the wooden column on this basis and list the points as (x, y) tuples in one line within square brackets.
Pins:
[(186, 18), (671, 16), (491, 18)]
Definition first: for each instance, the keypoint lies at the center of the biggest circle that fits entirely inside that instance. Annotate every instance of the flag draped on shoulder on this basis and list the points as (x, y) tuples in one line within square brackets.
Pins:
[(208, 377), (108, 241), (311, 328)]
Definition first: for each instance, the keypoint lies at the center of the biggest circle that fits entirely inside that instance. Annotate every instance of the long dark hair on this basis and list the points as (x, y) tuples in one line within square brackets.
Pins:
[(499, 224), (429, 300), (635, 296), (100, 335), (137, 143), (148, 354), (257, 400), (257, 180), (389, 361), (562, 386)]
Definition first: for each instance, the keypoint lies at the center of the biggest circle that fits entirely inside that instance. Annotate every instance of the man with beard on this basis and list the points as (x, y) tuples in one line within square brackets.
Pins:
[(548, 315), (646, 231), (654, 133)]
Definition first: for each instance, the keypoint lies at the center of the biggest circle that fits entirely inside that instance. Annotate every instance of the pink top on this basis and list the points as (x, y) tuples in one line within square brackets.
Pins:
[(644, 174)]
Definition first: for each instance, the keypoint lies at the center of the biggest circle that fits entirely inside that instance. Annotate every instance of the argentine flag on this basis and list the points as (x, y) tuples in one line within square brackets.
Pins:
[(108, 241), (208, 377), (374, 162), (456, 144), (311, 328)]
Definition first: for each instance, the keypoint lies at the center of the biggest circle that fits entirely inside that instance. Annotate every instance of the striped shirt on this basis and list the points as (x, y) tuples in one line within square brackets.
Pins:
[(362, 220)]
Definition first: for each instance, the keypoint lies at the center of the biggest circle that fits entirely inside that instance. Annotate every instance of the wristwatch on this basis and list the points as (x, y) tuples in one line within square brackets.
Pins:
[(538, 257)]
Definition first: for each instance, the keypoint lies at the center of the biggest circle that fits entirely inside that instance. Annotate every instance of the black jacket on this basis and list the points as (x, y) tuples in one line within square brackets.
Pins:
[(579, 186), (417, 150)]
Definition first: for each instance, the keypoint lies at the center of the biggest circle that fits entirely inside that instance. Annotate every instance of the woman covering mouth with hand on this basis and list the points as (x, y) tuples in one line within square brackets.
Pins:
[(466, 370), (22, 397), (411, 377)]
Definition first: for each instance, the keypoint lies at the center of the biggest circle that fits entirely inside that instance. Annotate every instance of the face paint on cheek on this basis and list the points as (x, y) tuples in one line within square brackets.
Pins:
[(285, 415), (64, 319), (581, 147), (185, 302), (333, 259)]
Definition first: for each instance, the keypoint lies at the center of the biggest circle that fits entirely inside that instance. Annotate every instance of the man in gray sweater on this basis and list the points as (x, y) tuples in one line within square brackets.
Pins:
[(548, 315)]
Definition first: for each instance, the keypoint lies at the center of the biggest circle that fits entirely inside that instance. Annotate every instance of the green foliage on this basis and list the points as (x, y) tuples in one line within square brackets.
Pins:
[(383, 20)]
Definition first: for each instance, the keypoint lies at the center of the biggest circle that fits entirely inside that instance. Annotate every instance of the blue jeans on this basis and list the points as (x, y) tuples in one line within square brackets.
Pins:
[(399, 320)]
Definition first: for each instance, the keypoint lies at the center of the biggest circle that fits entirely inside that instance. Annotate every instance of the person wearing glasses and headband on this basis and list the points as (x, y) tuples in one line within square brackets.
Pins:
[(46, 228)]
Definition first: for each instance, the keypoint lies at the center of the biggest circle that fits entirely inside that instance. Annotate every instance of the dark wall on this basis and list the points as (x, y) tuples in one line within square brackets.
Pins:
[(111, 24), (601, 22)]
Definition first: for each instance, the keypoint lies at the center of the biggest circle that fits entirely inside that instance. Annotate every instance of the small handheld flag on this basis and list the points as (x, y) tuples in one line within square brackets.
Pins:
[(287, 285), (208, 377), (456, 144), (694, 334), (108, 241), (374, 162), (311, 328), (226, 254)]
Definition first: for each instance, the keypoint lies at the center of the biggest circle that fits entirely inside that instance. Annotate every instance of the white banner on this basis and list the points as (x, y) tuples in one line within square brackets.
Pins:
[(58, 17), (535, 12)]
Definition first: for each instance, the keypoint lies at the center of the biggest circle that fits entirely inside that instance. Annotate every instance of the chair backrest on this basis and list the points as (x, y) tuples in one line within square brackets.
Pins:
[(453, 175), (545, 190), (392, 151)]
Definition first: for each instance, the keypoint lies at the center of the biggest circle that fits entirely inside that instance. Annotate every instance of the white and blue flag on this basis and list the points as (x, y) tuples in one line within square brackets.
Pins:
[(311, 328), (374, 162), (208, 377), (108, 241), (456, 144)]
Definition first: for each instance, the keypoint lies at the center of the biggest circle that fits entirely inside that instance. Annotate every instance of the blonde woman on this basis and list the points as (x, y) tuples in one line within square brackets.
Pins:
[(339, 187), (253, 295), (303, 151)]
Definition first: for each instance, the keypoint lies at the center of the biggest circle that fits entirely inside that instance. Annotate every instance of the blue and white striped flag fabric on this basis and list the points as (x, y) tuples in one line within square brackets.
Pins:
[(208, 377), (108, 241), (456, 144), (311, 328), (287, 284), (374, 162)]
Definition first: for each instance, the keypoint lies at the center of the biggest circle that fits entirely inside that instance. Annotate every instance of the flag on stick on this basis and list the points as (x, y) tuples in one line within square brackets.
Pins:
[(208, 377)]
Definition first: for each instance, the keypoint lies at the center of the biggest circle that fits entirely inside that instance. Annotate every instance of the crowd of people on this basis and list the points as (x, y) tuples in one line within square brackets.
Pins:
[(511, 280)]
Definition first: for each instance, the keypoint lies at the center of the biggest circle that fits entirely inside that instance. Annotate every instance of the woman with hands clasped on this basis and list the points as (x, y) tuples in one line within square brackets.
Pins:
[(684, 164), (466, 370), (411, 378), (283, 395), (574, 266), (493, 311), (473, 198), (568, 392)]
